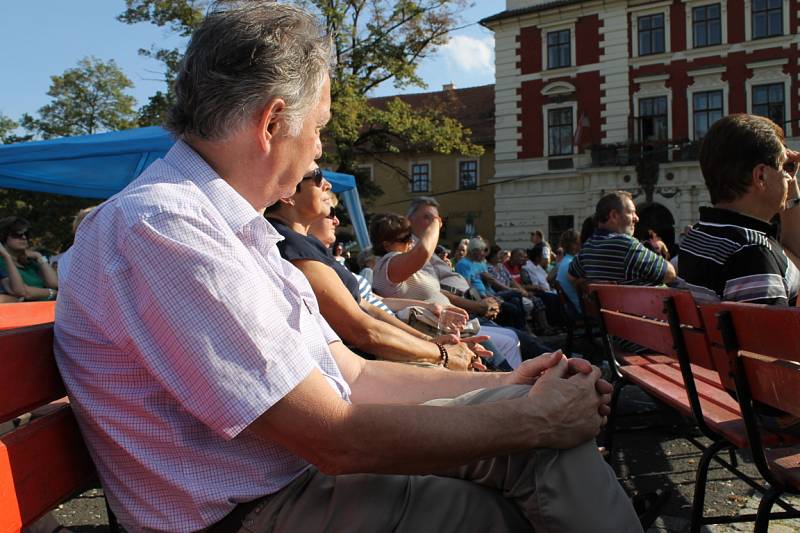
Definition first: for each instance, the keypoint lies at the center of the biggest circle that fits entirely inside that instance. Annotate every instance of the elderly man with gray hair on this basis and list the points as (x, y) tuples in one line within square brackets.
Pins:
[(213, 396)]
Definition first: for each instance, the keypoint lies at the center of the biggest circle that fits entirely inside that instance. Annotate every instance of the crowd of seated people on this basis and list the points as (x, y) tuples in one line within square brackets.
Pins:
[(362, 325)]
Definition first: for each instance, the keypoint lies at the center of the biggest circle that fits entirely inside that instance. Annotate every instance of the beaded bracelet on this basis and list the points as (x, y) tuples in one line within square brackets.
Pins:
[(442, 354)]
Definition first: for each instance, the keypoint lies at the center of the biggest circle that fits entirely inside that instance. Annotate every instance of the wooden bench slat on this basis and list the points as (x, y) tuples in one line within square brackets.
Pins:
[(722, 420), (30, 376), (708, 392), (19, 315), (651, 334), (786, 464), (41, 464), (630, 358)]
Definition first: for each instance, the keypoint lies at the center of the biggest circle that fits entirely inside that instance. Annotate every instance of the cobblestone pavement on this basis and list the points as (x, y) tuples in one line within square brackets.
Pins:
[(650, 452)]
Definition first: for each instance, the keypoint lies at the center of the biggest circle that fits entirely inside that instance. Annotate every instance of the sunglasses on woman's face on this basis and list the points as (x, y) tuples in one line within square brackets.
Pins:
[(19, 235), (331, 215), (315, 175), (404, 238)]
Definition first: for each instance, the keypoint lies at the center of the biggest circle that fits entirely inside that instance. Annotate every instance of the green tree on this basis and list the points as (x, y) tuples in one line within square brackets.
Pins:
[(6, 127), (375, 42), (87, 99), (50, 214), (179, 16)]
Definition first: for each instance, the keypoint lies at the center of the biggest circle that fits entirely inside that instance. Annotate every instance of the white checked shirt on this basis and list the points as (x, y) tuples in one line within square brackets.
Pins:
[(178, 324)]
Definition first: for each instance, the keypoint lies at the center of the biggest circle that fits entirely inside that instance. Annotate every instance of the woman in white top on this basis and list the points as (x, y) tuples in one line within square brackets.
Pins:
[(398, 273)]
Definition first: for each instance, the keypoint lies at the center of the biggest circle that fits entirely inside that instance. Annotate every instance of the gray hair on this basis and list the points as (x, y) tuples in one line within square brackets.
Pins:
[(421, 201), (243, 55)]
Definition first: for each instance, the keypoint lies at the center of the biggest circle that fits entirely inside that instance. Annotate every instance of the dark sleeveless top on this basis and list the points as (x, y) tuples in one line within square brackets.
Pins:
[(298, 246)]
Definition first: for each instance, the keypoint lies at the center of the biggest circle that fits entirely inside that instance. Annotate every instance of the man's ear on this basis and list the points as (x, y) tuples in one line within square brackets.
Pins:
[(270, 122), (759, 178)]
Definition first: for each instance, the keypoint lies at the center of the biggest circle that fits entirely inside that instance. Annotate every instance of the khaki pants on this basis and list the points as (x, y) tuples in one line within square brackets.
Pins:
[(556, 491)]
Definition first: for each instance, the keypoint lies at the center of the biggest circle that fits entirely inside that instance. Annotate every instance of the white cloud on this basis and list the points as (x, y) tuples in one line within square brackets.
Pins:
[(470, 54)]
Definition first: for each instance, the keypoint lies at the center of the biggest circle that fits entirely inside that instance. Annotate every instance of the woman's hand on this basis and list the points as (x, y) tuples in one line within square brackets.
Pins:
[(33, 254), (436, 309)]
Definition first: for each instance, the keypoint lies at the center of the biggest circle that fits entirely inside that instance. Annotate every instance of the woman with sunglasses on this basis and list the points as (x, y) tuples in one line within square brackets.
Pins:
[(358, 323), (24, 273), (399, 273)]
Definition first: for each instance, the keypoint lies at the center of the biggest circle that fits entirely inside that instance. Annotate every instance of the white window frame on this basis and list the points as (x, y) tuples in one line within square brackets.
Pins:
[(650, 87), (768, 72), (411, 176), (663, 8), (748, 21), (369, 166), (703, 81), (559, 26), (546, 131), (723, 13), (477, 172)]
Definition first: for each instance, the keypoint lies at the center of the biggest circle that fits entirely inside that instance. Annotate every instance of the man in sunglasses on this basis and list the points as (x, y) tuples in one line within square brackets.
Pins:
[(733, 252)]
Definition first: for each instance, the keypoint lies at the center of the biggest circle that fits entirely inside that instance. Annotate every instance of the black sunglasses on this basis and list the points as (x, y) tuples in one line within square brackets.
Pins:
[(20, 235), (315, 175), (790, 167), (331, 215), (403, 238)]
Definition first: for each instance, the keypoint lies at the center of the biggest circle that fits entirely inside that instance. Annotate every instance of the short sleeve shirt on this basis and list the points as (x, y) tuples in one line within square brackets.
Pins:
[(298, 246), (472, 270), (177, 325), (617, 257)]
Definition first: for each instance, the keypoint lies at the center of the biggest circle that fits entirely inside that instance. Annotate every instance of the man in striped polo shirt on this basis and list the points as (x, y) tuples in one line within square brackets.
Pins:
[(612, 254), (733, 252)]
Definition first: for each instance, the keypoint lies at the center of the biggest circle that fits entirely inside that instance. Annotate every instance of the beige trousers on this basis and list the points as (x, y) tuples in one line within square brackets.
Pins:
[(546, 491)]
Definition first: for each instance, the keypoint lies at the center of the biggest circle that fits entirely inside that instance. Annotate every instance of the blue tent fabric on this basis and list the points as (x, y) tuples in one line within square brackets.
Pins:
[(95, 166), (99, 166)]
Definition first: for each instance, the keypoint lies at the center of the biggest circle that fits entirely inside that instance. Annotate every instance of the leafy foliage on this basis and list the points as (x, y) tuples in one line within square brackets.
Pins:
[(180, 17), (87, 99), (6, 126), (50, 216), (375, 42)]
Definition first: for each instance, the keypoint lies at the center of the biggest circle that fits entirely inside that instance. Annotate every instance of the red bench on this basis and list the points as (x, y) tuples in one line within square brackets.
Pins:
[(756, 350), (45, 461), (676, 368)]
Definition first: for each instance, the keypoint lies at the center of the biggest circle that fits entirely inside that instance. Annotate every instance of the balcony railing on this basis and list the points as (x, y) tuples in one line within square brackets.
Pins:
[(628, 154)]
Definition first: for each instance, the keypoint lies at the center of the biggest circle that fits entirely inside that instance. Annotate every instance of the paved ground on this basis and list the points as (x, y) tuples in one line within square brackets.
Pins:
[(651, 452)]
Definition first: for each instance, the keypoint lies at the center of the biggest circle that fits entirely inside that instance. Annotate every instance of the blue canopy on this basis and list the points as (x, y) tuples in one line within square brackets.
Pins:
[(98, 166)]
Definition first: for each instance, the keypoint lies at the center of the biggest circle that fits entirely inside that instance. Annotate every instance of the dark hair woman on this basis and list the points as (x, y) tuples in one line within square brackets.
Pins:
[(24, 273)]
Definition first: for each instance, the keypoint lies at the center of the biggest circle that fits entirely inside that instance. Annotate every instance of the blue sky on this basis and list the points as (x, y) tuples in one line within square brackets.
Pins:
[(40, 38)]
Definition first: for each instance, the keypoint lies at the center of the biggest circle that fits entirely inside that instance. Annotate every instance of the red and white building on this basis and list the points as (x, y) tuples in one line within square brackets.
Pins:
[(599, 95)]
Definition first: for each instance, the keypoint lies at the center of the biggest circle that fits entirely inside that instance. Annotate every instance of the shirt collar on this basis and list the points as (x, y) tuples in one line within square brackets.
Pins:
[(716, 215), (237, 212)]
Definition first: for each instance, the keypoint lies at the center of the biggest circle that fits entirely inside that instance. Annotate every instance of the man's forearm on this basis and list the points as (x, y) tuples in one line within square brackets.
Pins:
[(422, 439), (407, 384)]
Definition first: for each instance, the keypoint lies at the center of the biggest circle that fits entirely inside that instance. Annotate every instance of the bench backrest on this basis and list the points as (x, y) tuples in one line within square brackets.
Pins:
[(18, 315), (762, 342), (641, 315), (44, 461)]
